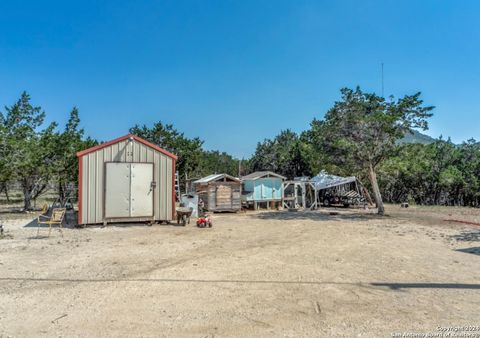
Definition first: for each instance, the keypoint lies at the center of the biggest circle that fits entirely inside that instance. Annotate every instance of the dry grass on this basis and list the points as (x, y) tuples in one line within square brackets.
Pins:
[(255, 274)]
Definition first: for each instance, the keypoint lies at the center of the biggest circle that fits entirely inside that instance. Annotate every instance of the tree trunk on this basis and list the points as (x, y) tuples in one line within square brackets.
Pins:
[(61, 194), (27, 200), (376, 191), (4, 189), (6, 193), (27, 194)]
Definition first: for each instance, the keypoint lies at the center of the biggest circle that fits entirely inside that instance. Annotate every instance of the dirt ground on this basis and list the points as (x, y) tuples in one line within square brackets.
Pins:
[(271, 273)]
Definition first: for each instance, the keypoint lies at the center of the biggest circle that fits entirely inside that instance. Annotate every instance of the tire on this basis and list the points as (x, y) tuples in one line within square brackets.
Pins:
[(326, 202)]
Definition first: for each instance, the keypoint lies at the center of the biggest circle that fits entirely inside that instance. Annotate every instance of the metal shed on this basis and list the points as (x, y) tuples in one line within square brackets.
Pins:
[(126, 180), (219, 192), (262, 187)]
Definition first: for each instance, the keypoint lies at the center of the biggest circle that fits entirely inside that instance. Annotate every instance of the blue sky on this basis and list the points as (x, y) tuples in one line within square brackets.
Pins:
[(236, 72)]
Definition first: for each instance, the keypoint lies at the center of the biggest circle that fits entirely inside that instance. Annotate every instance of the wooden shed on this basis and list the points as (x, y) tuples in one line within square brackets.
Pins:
[(126, 180), (219, 192), (262, 187)]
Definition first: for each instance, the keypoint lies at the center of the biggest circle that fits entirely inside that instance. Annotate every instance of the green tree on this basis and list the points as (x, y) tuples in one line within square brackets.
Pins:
[(320, 157), (6, 171), (286, 154), (406, 174), (362, 129), (214, 161), (189, 151), (27, 150), (469, 165), (437, 173), (65, 166)]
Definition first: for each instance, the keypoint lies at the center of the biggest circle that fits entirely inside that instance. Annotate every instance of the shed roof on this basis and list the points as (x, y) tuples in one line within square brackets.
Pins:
[(123, 138), (259, 174), (215, 177)]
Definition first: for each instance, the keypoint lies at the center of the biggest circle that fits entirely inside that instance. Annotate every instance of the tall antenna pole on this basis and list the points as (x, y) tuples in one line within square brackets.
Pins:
[(382, 81)]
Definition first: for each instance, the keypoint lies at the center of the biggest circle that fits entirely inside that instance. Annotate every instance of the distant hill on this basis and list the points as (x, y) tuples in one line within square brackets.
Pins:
[(417, 137)]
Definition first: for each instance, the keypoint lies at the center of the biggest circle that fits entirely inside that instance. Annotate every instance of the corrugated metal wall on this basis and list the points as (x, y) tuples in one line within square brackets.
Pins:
[(125, 151)]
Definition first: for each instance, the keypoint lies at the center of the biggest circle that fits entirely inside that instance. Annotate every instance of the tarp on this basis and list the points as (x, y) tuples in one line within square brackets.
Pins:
[(324, 180)]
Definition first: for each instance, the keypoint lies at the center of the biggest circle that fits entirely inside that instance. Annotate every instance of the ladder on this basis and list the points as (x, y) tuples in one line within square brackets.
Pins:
[(177, 186)]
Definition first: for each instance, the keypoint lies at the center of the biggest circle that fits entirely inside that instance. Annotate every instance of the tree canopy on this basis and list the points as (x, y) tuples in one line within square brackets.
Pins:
[(285, 154), (360, 135), (35, 155), (27, 150), (193, 160), (362, 129)]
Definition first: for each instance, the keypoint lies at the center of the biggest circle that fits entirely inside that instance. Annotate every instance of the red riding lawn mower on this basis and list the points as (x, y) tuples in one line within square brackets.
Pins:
[(204, 222)]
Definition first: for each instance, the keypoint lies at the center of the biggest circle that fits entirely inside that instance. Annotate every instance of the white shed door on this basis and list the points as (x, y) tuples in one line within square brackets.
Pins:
[(128, 190), (141, 193), (117, 190)]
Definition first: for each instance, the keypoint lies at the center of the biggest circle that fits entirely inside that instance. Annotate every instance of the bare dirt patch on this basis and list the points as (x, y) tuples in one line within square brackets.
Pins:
[(272, 273)]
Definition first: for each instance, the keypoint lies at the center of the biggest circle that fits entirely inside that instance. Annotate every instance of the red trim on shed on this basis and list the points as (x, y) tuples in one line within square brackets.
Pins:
[(80, 154), (173, 190), (123, 138), (80, 192)]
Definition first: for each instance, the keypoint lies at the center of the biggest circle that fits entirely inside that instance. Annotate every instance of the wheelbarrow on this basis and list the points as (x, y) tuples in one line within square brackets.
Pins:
[(183, 215)]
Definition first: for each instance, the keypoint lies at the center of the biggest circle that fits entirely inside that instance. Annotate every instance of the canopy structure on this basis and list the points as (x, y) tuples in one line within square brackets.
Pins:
[(325, 181), (332, 189), (323, 189)]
